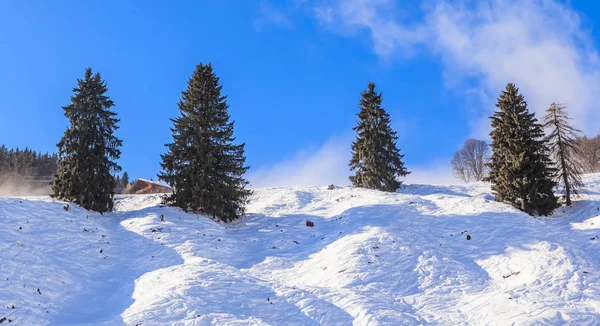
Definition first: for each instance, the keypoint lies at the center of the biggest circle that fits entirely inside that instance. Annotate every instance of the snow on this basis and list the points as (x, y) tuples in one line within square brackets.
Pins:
[(372, 258)]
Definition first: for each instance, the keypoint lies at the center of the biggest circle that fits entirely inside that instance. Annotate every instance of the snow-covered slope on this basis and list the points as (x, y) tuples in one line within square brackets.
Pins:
[(429, 255)]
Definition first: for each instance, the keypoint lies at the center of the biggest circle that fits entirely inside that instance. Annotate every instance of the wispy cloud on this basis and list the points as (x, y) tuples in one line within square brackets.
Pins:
[(317, 165), (328, 164), (438, 172), (540, 45), (379, 17), (269, 14)]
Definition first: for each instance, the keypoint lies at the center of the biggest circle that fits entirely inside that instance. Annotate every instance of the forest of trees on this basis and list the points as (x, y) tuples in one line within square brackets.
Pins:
[(588, 153), (525, 162), (27, 163), (24, 171)]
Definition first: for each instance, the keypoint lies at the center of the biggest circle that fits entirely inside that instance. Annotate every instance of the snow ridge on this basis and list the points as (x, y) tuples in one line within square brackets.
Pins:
[(428, 255)]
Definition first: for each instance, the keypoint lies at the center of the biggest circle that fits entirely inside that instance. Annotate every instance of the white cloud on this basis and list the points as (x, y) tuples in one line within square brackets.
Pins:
[(321, 165), (328, 164), (540, 45), (268, 14), (377, 16), (438, 172)]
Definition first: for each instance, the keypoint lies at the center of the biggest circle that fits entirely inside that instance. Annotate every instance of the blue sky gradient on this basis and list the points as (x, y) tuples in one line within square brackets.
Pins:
[(292, 71)]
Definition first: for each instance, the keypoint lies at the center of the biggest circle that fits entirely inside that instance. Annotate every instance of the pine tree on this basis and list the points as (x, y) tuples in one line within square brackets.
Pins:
[(125, 180), (88, 148), (562, 142), (521, 171), (121, 183), (203, 164), (375, 155), (118, 188)]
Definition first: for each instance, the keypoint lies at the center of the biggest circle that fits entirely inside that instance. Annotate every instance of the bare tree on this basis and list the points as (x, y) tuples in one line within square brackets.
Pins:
[(469, 163), (561, 142), (588, 153), (459, 167)]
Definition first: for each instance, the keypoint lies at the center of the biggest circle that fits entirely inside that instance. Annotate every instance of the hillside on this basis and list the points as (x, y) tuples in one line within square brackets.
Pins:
[(431, 254)]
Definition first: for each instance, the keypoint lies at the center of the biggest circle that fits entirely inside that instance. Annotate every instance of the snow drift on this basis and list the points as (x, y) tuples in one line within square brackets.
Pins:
[(429, 255)]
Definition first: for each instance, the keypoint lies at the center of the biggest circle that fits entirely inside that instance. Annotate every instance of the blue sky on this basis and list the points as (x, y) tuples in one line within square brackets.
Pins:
[(293, 71)]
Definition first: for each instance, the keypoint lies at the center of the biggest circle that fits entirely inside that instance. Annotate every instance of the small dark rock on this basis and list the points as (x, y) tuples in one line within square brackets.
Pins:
[(468, 237), (310, 224)]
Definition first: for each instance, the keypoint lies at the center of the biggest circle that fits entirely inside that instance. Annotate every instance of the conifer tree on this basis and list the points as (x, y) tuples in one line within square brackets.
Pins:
[(562, 143), (121, 183), (88, 148), (521, 171), (118, 188), (125, 180), (202, 164), (375, 155)]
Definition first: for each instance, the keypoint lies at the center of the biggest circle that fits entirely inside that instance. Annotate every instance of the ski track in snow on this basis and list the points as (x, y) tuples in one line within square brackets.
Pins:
[(372, 259)]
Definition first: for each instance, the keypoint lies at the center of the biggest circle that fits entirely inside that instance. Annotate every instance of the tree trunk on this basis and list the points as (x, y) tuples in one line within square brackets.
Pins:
[(567, 190)]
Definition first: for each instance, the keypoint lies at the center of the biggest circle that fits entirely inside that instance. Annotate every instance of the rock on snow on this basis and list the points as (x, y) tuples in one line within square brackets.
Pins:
[(371, 258)]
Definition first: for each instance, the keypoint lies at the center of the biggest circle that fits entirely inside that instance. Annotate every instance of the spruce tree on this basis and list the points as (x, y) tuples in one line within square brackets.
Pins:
[(125, 180), (521, 171), (562, 142), (375, 155), (202, 164), (118, 188), (88, 148)]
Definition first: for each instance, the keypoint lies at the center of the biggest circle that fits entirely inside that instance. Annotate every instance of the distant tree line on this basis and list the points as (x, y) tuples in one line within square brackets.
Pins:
[(27, 163), (25, 171), (588, 153)]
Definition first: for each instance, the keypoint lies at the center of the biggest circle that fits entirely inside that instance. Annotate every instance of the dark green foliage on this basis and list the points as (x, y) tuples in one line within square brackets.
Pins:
[(27, 163), (562, 142), (125, 179), (26, 171), (88, 148), (521, 171), (375, 156), (121, 183), (203, 165)]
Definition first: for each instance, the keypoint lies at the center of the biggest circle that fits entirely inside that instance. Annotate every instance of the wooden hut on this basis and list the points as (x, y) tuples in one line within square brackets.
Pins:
[(143, 186)]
